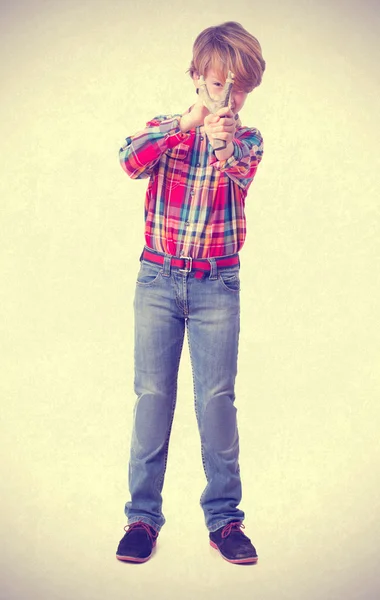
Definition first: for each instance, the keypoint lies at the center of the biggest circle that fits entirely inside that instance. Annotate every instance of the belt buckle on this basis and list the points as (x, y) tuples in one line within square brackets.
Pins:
[(185, 269)]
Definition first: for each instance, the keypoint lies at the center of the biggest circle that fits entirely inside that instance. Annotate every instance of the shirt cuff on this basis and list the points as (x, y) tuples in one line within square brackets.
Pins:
[(176, 136), (226, 163), (169, 127)]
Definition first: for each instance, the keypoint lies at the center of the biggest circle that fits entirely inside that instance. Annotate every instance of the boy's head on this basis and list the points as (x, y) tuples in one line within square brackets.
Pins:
[(228, 47)]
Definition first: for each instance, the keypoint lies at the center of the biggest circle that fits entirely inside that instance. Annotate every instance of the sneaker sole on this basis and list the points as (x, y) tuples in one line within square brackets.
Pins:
[(237, 561), (135, 559)]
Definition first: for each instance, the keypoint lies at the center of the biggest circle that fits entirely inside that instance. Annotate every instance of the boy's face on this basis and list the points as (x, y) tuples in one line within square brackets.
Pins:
[(215, 87)]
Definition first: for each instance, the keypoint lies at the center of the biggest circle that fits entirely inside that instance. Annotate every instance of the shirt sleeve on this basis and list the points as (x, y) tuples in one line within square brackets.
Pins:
[(242, 165), (142, 151)]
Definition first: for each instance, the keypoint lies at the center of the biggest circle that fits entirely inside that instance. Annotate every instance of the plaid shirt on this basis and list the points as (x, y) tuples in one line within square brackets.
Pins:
[(194, 204)]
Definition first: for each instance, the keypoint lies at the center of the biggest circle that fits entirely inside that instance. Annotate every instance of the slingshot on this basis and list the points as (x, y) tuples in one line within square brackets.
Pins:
[(214, 104)]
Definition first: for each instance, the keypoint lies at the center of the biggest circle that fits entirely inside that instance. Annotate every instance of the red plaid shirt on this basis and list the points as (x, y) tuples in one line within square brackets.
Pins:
[(194, 204)]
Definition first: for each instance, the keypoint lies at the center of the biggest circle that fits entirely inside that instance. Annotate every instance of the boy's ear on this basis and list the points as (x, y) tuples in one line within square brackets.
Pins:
[(196, 79)]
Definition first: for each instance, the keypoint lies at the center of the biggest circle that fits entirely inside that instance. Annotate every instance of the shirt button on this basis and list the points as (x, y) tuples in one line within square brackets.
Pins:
[(198, 164), (202, 138), (192, 192), (187, 223)]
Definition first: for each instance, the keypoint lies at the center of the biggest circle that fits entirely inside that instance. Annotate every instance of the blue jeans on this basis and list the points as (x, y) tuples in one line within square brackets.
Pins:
[(167, 301)]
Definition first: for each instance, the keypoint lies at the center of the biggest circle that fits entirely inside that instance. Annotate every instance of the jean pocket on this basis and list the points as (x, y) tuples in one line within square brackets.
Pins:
[(148, 274), (230, 280)]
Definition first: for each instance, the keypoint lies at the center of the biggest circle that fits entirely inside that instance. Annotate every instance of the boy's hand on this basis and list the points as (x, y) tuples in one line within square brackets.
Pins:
[(220, 126), (195, 118)]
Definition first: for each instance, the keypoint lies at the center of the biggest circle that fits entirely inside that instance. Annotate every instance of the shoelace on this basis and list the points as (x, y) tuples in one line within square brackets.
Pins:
[(230, 526), (142, 525)]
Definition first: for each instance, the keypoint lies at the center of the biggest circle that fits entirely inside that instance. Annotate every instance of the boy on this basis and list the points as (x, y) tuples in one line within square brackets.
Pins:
[(200, 166)]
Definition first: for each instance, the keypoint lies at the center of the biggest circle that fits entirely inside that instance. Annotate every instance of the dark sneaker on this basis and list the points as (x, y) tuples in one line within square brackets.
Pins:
[(233, 544), (138, 543)]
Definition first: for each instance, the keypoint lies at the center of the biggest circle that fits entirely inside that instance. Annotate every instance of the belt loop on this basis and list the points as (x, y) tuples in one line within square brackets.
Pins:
[(214, 268), (166, 266)]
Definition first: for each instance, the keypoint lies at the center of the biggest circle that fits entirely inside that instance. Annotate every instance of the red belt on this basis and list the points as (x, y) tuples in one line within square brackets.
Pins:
[(187, 264)]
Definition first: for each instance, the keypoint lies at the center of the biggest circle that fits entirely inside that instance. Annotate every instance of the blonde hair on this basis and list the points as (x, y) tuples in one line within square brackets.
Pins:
[(229, 47)]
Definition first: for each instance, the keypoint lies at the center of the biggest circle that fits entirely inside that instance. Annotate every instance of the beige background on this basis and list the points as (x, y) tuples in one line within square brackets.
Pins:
[(77, 78)]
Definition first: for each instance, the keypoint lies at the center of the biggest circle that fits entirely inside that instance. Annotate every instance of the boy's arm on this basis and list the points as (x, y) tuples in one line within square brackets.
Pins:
[(246, 153), (244, 147), (194, 117), (141, 152)]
